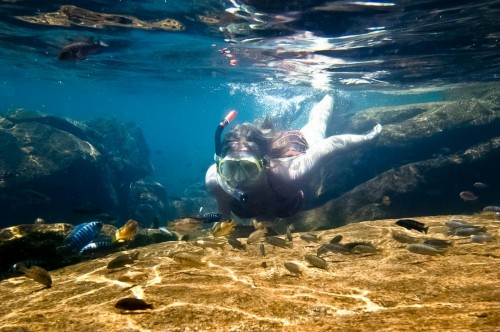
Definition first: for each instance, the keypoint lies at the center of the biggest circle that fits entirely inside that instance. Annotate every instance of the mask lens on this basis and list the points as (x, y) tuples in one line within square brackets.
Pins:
[(250, 168), (227, 168), (239, 170)]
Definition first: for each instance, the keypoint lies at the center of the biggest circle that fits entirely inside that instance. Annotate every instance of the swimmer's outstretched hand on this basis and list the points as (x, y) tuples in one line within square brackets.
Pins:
[(375, 132)]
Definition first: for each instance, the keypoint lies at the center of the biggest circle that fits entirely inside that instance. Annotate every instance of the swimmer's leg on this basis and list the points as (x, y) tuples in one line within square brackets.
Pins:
[(315, 129)]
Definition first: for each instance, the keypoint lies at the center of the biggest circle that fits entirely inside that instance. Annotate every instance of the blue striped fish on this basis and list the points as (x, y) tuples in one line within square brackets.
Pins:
[(96, 245), (80, 236)]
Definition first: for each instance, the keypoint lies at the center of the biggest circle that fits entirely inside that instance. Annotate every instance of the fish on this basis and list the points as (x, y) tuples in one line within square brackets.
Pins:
[(185, 225), (208, 243), (131, 303), (35, 197), (80, 236), (223, 228), (132, 276), (293, 268), (279, 242), (424, 249), (208, 217), (80, 50), (36, 273), (468, 196), (262, 249), (126, 232), (39, 221), (96, 245), (386, 201), (412, 224), (467, 231), (480, 185), (453, 224), (403, 238), (363, 248), (316, 261), (438, 243), (236, 244), (332, 247), (256, 236), (308, 237), (336, 239), (189, 260), (122, 260), (482, 238), (289, 232), (491, 208)]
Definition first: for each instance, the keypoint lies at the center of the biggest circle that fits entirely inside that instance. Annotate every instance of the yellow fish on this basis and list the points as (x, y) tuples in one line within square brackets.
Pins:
[(127, 232), (223, 228)]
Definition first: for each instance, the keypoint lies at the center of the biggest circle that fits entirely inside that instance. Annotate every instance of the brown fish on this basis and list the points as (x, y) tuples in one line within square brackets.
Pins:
[(293, 268), (185, 225), (316, 261), (36, 273), (256, 236), (122, 260), (308, 237), (189, 260), (131, 303), (279, 242), (223, 228), (236, 244), (80, 50)]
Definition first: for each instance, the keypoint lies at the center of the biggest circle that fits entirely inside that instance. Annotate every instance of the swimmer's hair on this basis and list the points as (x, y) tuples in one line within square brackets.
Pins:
[(257, 139)]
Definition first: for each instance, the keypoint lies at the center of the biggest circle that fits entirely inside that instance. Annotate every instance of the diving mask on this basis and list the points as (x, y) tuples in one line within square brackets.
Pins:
[(239, 169)]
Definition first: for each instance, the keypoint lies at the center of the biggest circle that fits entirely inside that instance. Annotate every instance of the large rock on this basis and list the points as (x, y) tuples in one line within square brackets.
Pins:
[(390, 290), (425, 156), (59, 169)]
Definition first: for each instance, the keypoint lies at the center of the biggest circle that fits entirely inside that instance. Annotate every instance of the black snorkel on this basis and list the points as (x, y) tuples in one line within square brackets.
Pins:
[(234, 192)]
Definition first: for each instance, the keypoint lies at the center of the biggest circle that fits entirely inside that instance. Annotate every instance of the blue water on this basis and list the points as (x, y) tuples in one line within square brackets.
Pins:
[(177, 85)]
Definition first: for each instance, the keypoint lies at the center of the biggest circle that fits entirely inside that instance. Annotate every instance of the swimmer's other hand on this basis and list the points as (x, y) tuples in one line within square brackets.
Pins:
[(375, 132)]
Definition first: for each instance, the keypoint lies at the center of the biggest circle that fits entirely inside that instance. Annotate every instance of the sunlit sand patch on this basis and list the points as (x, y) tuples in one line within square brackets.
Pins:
[(233, 276), (283, 321), (138, 292), (157, 277), (132, 324)]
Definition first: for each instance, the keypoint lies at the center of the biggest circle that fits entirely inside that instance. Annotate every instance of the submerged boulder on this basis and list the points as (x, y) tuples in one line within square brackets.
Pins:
[(60, 170), (425, 156)]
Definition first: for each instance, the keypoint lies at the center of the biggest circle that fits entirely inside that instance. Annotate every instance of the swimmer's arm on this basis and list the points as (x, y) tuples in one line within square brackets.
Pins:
[(315, 157), (215, 189)]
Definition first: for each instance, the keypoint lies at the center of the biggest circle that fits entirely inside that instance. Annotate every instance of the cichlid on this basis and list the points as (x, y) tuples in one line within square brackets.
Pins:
[(403, 238), (80, 50), (126, 232), (36, 273), (308, 237), (412, 224), (122, 260), (96, 245), (334, 248), (223, 228), (131, 303), (256, 236), (316, 261), (336, 239), (293, 268), (208, 243), (279, 242), (424, 249), (189, 260), (80, 236), (236, 244), (438, 243)]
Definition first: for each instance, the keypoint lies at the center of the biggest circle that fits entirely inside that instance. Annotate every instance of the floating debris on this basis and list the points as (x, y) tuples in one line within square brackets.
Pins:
[(308, 237), (189, 260), (482, 238), (293, 268), (236, 244), (336, 239), (424, 249), (316, 261), (262, 249), (403, 238), (468, 196), (256, 236), (36, 273), (223, 228), (279, 242), (80, 236), (438, 243), (122, 260), (127, 232), (131, 303), (412, 224)]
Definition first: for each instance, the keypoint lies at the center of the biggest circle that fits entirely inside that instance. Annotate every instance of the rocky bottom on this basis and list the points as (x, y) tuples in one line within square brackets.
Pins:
[(392, 289)]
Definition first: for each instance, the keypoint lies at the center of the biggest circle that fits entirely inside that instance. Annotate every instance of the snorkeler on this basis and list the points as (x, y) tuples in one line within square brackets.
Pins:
[(259, 172)]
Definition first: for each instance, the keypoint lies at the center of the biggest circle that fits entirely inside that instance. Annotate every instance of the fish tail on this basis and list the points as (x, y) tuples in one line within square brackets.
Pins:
[(426, 229)]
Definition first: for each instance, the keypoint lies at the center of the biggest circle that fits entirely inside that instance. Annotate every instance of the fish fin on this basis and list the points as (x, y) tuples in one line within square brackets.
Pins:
[(103, 44), (426, 229)]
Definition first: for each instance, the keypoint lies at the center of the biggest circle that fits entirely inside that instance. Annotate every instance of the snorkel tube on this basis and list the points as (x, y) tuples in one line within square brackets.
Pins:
[(234, 192)]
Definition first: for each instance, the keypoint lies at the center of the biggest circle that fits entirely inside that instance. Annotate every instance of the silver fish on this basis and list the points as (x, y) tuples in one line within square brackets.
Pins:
[(403, 238), (424, 249), (308, 237), (482, 238), (279, 242), (256, 236), (332, 247), (293, 268)]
